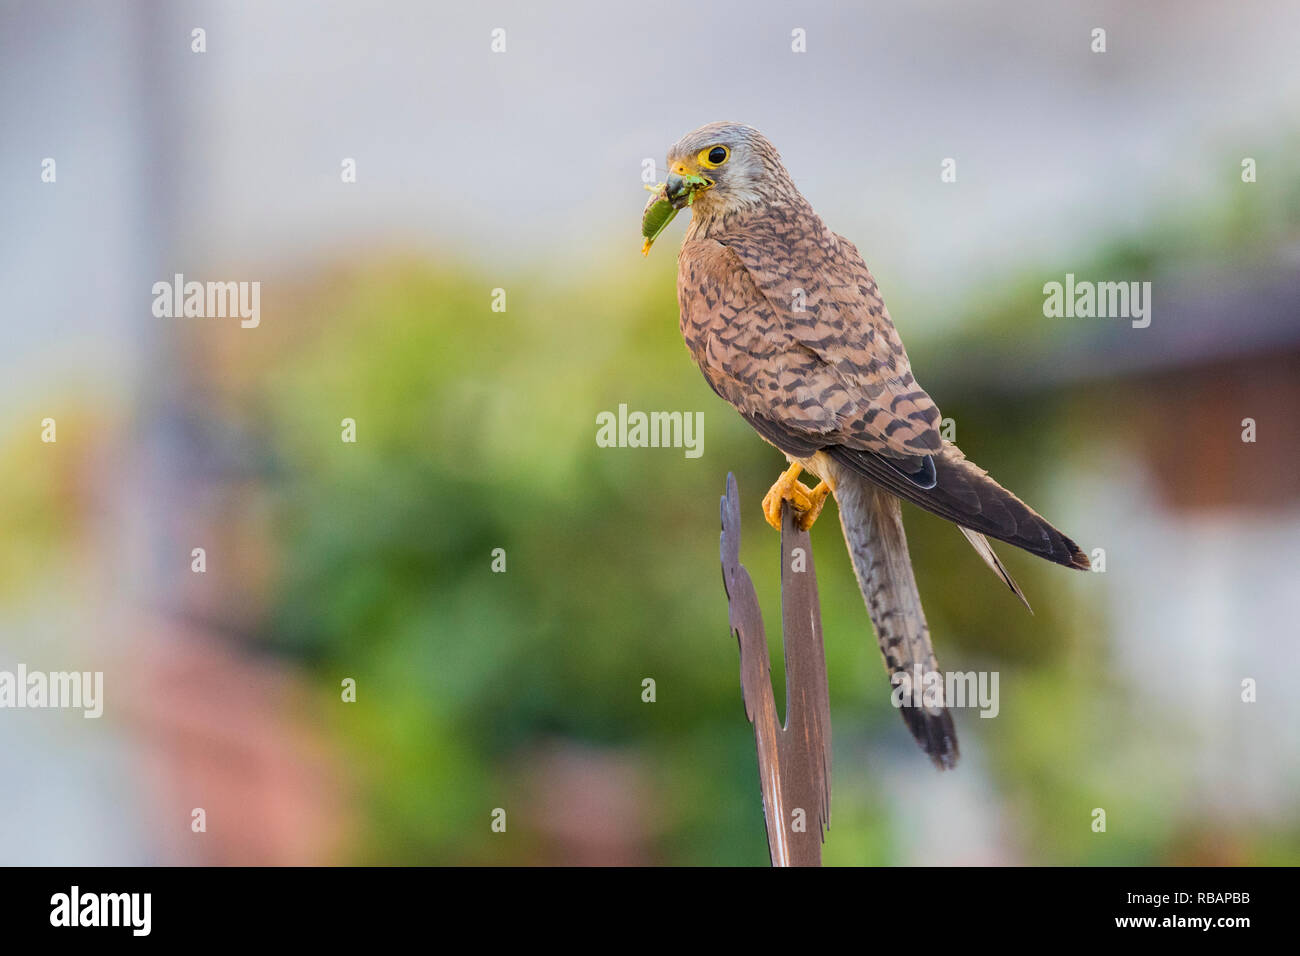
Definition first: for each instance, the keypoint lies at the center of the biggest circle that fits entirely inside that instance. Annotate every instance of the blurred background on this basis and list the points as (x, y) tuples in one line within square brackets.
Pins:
[(521, 170)]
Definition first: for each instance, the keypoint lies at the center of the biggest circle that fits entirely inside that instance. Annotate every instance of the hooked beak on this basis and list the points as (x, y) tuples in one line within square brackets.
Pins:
[(682, 185)]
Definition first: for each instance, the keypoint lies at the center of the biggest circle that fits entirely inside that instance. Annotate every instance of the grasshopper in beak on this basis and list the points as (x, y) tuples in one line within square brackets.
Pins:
[(666, 200)]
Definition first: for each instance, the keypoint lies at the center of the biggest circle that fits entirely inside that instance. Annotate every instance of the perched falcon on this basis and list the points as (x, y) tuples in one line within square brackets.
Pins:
[(787, 324)]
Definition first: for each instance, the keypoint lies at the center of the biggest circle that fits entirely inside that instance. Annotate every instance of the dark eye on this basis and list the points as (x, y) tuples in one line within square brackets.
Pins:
[(711, 157)]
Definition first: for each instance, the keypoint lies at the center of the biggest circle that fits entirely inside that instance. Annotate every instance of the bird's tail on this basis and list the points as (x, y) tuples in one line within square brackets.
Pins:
[(873, 530)]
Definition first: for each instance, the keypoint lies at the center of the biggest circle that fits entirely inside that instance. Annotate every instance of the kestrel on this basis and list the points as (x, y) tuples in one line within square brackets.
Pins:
[(787, 324)]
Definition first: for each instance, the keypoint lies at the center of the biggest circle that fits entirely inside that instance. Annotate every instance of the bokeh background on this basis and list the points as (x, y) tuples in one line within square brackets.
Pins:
[(476, 429)]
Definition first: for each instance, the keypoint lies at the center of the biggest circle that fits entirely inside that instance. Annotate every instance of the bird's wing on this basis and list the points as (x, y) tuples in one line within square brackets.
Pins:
[(965, 494), (803, 350), (831, 305), (990, 557)]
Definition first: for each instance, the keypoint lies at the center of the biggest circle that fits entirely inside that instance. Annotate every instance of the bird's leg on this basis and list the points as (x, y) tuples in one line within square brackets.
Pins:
[(807, 502)]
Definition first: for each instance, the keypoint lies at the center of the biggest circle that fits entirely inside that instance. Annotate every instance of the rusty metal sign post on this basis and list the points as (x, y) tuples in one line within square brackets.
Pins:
[(794, 760)]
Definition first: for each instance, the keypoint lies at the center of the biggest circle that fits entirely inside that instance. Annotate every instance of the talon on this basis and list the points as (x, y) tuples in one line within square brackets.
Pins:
[(789, 488), (817, 500)]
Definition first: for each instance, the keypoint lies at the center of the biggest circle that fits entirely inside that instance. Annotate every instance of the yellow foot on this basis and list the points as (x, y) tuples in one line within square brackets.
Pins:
[(808, 502), (818, 498)]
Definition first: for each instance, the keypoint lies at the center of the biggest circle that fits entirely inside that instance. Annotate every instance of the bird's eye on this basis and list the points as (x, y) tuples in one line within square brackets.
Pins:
[(714, 157)]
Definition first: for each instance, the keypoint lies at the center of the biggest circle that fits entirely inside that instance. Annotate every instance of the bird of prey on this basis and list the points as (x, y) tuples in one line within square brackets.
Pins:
[(788, 325)]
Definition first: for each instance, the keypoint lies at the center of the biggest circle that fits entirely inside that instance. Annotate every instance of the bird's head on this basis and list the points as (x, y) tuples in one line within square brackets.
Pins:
[(725, 166)]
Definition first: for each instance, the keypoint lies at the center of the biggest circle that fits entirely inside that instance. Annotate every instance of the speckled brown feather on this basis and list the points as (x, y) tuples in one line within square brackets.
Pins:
[(818, 353)]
